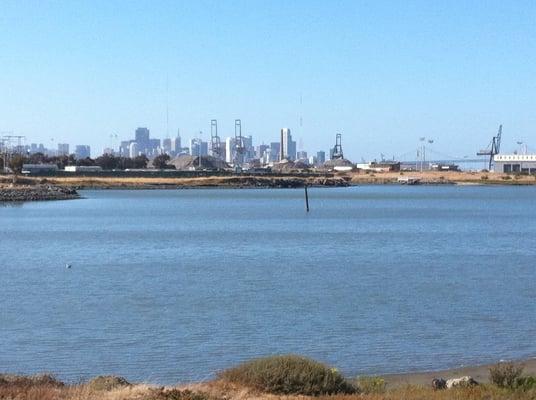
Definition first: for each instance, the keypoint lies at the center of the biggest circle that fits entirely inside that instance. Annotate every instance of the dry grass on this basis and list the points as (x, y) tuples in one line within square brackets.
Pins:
[(219, 390), (461, 177)]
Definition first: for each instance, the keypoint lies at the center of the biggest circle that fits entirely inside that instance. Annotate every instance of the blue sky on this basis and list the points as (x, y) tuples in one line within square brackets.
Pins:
[(383, 73)]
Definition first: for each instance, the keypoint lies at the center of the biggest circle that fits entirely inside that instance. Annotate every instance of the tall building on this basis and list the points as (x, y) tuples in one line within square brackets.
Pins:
[(133, 150), (176, 144), (166, 145), (63, 149), (82, 151), (320, 157), (198, 147), (146, 145), (288, 146), (142, 136), (229, 150), (249, 150), (261, 149), (301, 155), (274, 151)]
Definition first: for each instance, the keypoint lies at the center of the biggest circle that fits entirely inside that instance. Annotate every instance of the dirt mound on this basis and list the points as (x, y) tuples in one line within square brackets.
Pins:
[(186, 163), (289, 166), (342, 163)]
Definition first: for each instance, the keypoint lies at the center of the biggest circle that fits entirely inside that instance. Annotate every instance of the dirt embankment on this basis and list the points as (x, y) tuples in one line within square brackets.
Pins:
[(446, 177), (237, 181)]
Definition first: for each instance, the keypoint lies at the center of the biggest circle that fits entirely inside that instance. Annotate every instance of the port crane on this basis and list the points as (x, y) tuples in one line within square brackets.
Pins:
[(238, 143), (215, 143), (337, 150), (493, 148)]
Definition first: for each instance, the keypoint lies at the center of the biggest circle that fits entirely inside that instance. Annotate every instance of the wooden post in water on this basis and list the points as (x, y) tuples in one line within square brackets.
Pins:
[(306, 199)]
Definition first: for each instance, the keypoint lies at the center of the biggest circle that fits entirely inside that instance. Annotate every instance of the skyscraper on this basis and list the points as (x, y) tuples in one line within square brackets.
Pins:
[(198, 147), (321, 157), (63, 149), (288, 146), (166, 145), (142, 136), (229, 150), (133, 150), (82, 151), (274, 151)]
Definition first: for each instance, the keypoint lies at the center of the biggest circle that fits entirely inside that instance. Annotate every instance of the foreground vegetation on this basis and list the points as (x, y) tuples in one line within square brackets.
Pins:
[(279, 377)]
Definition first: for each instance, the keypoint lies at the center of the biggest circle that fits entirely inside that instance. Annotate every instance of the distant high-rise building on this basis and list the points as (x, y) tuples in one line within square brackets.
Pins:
[(320, 157), (249, 150), (146, 145), (274, 151), (133, 150), (261, 149), (167, 146), (108, 150), (63, 149), (82, 151), (142, 136), (229, 150), (301, 155), (198, 147), (176, 144), (288, 146)]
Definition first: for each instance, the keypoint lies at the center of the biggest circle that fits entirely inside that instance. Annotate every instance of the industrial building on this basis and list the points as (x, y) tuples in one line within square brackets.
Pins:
[(515, 163), (39, 168)]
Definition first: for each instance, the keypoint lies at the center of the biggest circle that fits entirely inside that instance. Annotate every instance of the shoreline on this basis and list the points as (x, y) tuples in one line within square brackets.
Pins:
[(479, 372), (287, 180)]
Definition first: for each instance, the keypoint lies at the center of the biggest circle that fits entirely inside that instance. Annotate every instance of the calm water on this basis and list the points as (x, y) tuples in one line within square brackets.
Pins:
[(172, 286)]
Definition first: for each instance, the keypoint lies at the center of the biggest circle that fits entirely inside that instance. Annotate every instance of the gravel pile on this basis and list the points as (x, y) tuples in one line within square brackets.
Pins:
[(187, 163)]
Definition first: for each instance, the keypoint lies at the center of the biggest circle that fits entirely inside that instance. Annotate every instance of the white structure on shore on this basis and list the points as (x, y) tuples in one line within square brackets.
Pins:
[(515, 163)]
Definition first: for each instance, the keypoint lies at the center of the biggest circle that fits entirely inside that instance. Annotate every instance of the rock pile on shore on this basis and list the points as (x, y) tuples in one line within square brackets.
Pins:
[(278, 182), (36, 193)]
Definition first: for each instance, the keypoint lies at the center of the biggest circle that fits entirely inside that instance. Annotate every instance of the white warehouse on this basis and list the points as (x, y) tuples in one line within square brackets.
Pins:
[(515, 163)]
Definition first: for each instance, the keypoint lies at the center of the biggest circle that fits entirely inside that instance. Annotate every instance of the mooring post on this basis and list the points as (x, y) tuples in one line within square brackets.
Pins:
[(306, 199)]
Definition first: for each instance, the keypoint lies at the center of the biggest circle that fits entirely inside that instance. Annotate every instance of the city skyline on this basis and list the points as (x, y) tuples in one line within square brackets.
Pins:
[(142, 143), (381, 74)]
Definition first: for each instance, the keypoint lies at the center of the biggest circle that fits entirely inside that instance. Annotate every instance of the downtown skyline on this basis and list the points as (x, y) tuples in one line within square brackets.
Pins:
[(381, 74)]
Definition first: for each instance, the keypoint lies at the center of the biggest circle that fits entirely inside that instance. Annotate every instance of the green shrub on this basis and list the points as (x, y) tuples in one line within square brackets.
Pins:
[(484, 177), (505, 375), (525, 383), (371, 384), (288, 374), (106, 383)]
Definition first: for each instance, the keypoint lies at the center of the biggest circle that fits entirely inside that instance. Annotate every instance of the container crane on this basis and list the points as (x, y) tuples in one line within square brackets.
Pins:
[(493, 148)]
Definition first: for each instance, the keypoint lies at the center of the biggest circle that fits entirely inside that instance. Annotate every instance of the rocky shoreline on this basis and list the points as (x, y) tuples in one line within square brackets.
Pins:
[(36, 193)]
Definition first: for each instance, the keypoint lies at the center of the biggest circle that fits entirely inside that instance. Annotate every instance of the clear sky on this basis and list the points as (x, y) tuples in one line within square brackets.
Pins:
[(383, 73)]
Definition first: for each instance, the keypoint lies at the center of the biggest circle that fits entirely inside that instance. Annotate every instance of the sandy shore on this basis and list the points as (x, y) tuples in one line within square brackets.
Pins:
[(478, 372)]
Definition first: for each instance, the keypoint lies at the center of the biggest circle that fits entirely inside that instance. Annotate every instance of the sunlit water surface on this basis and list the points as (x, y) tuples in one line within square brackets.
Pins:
[(174, 285)]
